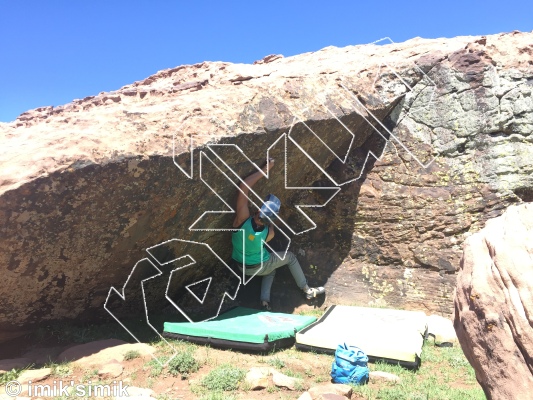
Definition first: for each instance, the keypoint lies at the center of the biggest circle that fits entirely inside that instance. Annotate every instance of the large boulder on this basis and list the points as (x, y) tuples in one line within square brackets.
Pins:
[(494, 304), (86, 188)]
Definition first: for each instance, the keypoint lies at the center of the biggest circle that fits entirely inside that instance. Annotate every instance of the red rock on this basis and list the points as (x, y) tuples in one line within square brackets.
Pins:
[(494, 304)]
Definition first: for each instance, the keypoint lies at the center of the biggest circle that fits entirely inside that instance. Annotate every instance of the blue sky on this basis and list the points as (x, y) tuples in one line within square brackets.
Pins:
[(53, 51)]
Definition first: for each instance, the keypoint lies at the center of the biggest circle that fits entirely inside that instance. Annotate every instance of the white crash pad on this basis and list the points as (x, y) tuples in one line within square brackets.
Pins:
[(390, 335)]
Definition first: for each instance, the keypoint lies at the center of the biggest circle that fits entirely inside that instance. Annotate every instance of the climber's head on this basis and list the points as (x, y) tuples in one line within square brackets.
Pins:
[(269, 210)]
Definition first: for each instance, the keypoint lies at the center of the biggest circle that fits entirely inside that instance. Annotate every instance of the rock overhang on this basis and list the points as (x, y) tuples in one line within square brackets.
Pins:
[(89, 185)]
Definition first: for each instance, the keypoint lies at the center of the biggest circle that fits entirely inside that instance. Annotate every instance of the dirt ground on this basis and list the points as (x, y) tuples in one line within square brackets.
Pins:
[(445, 367)]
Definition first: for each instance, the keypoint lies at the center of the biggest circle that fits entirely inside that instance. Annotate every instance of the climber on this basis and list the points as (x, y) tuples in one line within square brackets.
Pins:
[(257, 227)]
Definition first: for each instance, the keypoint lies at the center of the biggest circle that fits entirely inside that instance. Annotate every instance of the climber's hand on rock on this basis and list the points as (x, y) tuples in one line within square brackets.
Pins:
[(269, 164)]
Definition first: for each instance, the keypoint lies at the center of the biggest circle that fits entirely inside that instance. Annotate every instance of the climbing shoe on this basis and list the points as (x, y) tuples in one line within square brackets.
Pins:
[(265, 305), (311, 293)]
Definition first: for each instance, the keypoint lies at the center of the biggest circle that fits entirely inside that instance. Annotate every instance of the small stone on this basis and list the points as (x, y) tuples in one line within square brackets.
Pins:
[(34, 375), (305, 396), (383, 376), (282, 380), (330, 396), (331, 388), (257, 377), (111, 370)]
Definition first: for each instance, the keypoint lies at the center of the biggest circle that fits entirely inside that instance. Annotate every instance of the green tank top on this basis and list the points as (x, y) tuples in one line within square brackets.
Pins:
[(251, 253)]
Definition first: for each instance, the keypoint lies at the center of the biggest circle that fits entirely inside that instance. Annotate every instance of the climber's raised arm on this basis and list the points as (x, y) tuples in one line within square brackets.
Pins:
[(242, 211)]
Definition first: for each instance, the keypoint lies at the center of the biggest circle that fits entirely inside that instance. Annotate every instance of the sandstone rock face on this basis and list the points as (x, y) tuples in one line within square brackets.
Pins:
[(494, 304), (86, 188)]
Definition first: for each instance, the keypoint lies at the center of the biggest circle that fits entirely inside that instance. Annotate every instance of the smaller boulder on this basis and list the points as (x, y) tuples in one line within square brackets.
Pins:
[(34, 375), (258, 377), (331, 389), (282, 380), (305, 396), (383, 376), (111, 370)]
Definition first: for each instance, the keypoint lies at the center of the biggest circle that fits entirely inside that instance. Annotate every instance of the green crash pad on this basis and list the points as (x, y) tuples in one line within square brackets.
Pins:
[(242, 328)]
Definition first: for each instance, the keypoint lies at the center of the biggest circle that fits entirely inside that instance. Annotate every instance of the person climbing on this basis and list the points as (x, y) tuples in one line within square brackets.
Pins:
[(256, 258)]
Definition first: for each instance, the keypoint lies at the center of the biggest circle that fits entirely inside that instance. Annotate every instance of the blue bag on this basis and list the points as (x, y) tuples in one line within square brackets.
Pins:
[(350, 365)]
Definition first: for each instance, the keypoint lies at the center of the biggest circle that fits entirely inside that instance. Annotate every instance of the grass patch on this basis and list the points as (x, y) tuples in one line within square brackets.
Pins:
[(276, 363), (272, 389), (10, 376), (184, 363), (61, 370), (89, 375), (156, 366), (131, 355), (289, 372), (315, 312), (164, 397), (225, 378), (445, 374), (218, 396)]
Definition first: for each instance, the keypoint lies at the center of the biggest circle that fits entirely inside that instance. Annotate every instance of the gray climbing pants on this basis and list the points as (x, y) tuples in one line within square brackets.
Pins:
[(268, 271)]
